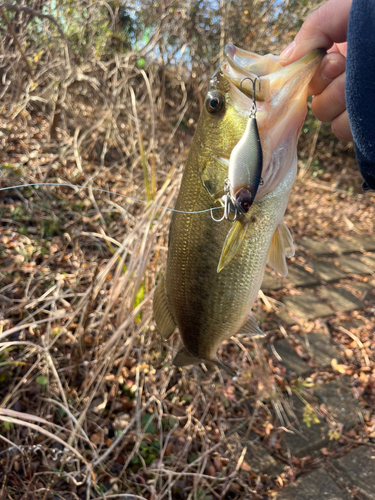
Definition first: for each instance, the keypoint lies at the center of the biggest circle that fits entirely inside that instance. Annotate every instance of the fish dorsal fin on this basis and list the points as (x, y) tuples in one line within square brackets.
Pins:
[(232, 243), (280, 248), (251, 328), (162, 313)]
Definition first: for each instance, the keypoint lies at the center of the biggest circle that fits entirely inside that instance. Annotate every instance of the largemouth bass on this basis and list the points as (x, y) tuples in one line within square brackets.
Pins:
[(215, 269)]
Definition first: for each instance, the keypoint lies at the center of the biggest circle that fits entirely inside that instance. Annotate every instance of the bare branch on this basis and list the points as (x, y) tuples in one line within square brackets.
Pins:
[(34, 13)]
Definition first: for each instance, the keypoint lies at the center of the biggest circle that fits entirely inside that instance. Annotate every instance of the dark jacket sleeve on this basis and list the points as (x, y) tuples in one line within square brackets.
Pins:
[(360, 86)]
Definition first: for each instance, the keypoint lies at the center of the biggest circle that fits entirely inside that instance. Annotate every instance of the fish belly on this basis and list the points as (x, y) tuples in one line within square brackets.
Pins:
[(206, 306)]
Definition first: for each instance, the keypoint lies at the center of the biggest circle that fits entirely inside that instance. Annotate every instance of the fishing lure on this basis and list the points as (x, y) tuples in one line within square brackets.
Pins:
[(245, 166)]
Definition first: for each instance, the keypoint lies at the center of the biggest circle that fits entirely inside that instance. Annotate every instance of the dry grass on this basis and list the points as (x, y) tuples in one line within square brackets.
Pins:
[(90, 404)]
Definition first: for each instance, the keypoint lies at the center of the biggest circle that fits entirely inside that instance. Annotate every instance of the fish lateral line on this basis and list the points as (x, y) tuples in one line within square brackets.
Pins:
[(77, 186)]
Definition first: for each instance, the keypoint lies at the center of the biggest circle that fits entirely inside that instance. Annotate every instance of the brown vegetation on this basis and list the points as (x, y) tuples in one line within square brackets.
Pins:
[(106, 95)]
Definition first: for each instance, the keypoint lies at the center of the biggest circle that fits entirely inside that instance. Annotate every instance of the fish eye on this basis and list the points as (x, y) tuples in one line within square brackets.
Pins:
[(214, 102)]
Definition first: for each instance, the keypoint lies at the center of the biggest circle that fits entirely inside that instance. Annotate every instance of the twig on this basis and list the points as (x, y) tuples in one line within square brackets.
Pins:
[(34, 13), (15, 38)]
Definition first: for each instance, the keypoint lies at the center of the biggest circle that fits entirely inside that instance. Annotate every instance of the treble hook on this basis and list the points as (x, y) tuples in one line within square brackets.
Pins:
[(228, 205), (253, 109), (228, 208)]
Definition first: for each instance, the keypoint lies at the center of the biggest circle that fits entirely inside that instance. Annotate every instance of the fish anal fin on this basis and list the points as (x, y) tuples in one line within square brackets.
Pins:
[(280, 248), (232, 243), (251, 328), (184, 358), (162, 313), (288, 241)]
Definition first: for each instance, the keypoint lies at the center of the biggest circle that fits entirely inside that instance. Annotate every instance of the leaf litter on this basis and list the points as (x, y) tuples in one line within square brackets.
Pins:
[(81, 357)]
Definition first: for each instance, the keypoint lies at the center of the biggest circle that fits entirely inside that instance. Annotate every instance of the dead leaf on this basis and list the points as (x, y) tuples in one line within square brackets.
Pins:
[(337, 367), (245, 466), (97, 438), (268, 429)]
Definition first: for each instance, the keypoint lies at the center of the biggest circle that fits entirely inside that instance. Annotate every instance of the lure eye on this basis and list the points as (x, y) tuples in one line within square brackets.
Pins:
[(244, 200), (214, 102)]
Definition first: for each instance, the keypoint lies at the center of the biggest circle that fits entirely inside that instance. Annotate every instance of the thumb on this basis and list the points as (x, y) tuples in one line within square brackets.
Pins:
[(321, 29)]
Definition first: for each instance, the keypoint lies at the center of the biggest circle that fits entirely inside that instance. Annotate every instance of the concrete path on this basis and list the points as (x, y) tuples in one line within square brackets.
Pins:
[(337, 276)]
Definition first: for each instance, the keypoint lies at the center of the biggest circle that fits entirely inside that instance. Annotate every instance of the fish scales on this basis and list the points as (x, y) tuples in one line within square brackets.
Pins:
[(215, 269)]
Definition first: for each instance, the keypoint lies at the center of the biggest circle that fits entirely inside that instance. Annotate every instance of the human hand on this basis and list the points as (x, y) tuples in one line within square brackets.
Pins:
[(326, 28)]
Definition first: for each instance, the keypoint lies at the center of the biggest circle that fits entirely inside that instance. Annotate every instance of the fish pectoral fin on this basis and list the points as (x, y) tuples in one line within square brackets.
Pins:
[(214, 175), (280, 248), (162, 313), (184, 358), (232, 243), (251, 328)]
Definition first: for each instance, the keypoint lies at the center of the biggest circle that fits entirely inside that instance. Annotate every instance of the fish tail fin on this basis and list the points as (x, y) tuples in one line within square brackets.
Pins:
[(162, 313), (184, 358)]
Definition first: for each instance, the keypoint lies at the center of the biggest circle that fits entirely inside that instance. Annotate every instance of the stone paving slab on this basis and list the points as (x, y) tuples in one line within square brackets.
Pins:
[(319, 347), (316, 247), (363, 289), (304, 440), (256, 456), (318, 485), (344, 245), (307, 306), (293, 363), (369, 260), (340, 299), (327, 271), (271, 282), (259, 459), (298, 276), (353, 324), (365, 242), (339, 401), (358, 467), (353, 265), (285, 316)]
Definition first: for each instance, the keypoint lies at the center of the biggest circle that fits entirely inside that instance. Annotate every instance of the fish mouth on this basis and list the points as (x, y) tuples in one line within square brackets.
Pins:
[(281, 104), (241, 67)]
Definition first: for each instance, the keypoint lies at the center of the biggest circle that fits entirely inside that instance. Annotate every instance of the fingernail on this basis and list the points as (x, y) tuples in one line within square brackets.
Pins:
[(332, 69), (286, 53)]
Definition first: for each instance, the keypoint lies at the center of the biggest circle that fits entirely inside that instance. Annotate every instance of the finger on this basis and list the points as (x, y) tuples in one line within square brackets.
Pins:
[(341, 128), (324, 27), (332, 66), (331, 102), (341, 48)]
